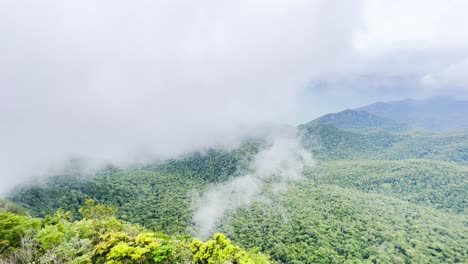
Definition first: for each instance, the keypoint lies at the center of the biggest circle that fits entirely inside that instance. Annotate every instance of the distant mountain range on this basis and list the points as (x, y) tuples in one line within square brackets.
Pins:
[(432, 129), (352, 119), (380, 191), (435, 114)]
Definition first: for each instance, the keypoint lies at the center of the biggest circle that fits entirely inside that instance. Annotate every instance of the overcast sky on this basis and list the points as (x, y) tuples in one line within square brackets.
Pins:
[(108, 79)]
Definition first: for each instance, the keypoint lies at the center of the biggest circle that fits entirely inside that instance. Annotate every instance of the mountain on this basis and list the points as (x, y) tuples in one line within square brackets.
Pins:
[(156, 195), (341, 211), (354, 218), (436, 114), (328, 142), (379, 192), (345, 209), (351, 119)]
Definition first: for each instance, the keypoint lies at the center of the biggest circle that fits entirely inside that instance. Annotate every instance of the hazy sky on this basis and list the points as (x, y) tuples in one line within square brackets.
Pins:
[(108, 79)]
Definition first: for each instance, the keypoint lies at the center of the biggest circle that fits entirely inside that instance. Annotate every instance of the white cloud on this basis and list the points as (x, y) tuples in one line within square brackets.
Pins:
[(455, 75), (425, 39), (281, 162), (105, 78), (413, 25)]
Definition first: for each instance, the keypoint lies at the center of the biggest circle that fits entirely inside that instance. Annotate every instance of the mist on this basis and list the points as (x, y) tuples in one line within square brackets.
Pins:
[(113, 81), (109, 81), (281, 162)]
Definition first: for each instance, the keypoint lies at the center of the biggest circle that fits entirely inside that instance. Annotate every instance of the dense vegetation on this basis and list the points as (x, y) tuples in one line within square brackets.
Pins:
[(321, 223), (436, 114), (387, 211), (378, 193), (99, 237), (433, 183), (157, 196), (328, 142), (350, 119)]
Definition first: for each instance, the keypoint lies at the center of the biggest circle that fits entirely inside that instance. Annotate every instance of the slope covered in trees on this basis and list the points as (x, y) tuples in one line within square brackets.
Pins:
[(157, 196), (375, 195), (328, 142), (432, 183), (351, 119), (99, 237), (322, 223), (373, 211)]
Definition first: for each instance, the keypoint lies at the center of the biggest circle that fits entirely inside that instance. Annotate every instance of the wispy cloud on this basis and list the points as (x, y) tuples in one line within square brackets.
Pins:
[(105, 79), (281, 162)]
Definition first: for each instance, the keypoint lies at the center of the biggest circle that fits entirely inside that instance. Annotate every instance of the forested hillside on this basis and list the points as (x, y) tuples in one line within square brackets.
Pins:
[(233, 132), (432, 183), (323, 223), (157, 196), (387, 211), (328, 142), (98, 237), (351, 119), (375, 194)]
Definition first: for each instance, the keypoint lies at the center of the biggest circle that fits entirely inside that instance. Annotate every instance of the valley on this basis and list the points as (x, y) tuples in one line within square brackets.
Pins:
[(378, 192)]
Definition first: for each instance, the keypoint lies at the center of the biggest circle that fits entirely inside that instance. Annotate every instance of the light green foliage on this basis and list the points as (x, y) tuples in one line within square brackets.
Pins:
[(13, 227), (145, 247), (163, 253), (7, 206), (100, 238), (220, 250), (51, 236), (91, 211)]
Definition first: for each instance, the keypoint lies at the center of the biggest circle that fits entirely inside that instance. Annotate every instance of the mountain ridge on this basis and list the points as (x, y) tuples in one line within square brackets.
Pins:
[(376, 194), (353, 119), (435, 114)]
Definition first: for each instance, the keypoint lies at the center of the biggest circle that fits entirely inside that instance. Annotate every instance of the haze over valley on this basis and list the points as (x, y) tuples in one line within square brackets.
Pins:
[(233, 132)]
